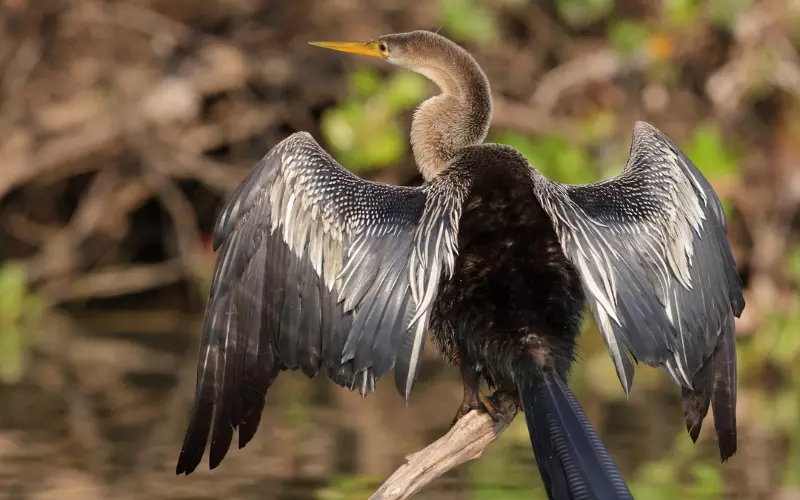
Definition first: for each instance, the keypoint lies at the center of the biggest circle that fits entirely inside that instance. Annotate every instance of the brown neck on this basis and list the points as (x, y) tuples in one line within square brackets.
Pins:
[(456, 118)]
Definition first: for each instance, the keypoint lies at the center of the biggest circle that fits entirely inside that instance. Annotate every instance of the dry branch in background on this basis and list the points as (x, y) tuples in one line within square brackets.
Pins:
[(464, 442)]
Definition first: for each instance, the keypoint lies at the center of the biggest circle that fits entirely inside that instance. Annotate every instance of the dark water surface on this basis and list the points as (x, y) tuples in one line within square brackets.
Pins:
[(102, 411)]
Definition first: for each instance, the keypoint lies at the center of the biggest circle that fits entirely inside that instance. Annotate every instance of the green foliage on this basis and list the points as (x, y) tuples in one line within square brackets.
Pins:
[(628, 37), (682, 13), (797, 31), (347, 488), (297, 405), (580, 13), (364, 130), (725, 12), (778, 341), (598, 128), (554, 157), (499, 473), (686, 13), (468, 21), (784, 411), (711, 155), (663, 479), (793, 265), (20, 314), (791, 474)]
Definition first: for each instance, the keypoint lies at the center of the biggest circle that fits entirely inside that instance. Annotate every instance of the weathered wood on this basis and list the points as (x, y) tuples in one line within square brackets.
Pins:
[(464, 442)]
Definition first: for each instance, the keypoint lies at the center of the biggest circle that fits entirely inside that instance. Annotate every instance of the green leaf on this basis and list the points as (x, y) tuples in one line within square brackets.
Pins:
[(11, 354), (725, 12), (579, 13), (468, 21), (337, 126), (709, 153), (13, 288), (793, 264), (385, 148), (20, 314), (628, 37), (520, 142), (554, 157), (365, 82), (797, 31), (791, 472), (708, 481), (599, 127), (405, 91), (364, 130), (683, 13)]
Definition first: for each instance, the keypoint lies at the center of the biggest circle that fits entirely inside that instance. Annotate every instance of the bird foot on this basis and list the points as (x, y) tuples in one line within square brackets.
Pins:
[(477, 401)]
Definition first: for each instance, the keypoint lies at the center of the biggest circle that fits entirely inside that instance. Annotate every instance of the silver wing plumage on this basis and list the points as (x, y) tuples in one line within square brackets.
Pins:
[(316, 266), (651, 249)]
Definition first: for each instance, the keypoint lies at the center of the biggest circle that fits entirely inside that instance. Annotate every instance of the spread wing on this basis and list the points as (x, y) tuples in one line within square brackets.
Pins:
[(315, 267), (651, 249)]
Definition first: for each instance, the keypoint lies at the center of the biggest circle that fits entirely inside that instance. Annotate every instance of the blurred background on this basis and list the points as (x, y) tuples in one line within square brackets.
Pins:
[(124, 125)]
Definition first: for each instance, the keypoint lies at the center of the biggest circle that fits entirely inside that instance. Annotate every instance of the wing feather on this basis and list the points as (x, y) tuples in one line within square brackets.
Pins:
[(316, 266), (652, 252)]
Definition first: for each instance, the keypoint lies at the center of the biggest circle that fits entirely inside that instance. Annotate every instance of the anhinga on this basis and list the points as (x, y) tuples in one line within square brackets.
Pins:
[(319, 267)]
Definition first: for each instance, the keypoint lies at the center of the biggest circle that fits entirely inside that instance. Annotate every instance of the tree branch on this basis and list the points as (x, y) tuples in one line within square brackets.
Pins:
[(464, 442)]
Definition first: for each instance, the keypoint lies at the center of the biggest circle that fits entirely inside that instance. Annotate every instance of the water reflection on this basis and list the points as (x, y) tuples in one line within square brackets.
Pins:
[(101, 416)]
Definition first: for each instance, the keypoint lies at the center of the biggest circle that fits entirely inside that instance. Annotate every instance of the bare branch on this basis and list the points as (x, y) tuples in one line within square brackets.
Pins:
[(464, 442), (113, 282)]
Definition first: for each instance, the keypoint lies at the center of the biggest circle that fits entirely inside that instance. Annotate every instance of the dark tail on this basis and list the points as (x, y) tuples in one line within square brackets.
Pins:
[(715, 384), (573, 462)]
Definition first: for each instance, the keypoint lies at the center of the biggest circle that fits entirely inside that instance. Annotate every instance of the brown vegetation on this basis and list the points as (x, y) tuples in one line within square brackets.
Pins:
[(125, 124)]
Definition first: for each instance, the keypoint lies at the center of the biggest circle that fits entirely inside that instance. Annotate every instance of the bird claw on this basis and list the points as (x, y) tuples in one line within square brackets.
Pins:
[(478, 402)]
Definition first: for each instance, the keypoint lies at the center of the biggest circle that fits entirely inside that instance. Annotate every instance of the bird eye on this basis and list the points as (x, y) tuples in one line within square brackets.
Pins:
[(382, 47)]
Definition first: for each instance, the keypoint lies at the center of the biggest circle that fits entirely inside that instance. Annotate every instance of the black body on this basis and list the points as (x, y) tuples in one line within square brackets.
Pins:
[(511, 315), (515, 303)]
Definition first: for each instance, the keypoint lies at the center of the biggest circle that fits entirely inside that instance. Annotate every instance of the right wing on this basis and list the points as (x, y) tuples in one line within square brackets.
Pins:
[(316, 266), (652, 252)]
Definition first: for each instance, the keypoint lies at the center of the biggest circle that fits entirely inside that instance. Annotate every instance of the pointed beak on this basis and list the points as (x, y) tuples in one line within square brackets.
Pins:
[(365, 49)]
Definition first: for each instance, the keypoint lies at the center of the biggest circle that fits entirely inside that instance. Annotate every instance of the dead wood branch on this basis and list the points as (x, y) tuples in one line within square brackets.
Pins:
[(60, 157), (599, 66), (465, 441), (114, 282)]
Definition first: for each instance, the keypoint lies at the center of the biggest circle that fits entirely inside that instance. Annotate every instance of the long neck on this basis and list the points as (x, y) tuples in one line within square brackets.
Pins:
[(456, 118)]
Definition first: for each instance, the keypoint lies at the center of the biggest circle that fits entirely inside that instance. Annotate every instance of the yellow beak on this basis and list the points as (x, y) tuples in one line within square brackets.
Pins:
[(365, 49)]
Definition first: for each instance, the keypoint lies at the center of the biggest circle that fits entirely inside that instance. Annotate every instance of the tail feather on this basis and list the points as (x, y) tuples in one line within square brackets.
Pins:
[(723, 396), (573, 462), (715, 385)]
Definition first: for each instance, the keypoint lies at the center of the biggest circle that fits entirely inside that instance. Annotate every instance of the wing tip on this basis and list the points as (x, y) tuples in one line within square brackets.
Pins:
[(738, 305), (642, 128), (194, 443), (219, 448), (623, 361), (185, 465), (695, 404), (404, 383)]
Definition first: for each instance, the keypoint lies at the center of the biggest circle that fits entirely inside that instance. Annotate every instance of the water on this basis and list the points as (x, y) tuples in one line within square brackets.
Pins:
[(102, 411)]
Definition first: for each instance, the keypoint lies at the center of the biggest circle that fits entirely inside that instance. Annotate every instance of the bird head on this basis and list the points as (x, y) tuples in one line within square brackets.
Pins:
[(413, 50)]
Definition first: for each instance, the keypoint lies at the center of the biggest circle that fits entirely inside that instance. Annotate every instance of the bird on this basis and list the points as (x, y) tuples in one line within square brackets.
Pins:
[(323, 271)]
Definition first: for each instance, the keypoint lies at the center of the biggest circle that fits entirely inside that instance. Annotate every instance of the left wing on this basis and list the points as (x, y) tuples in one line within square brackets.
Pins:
[(316, 266), (651, 249)]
